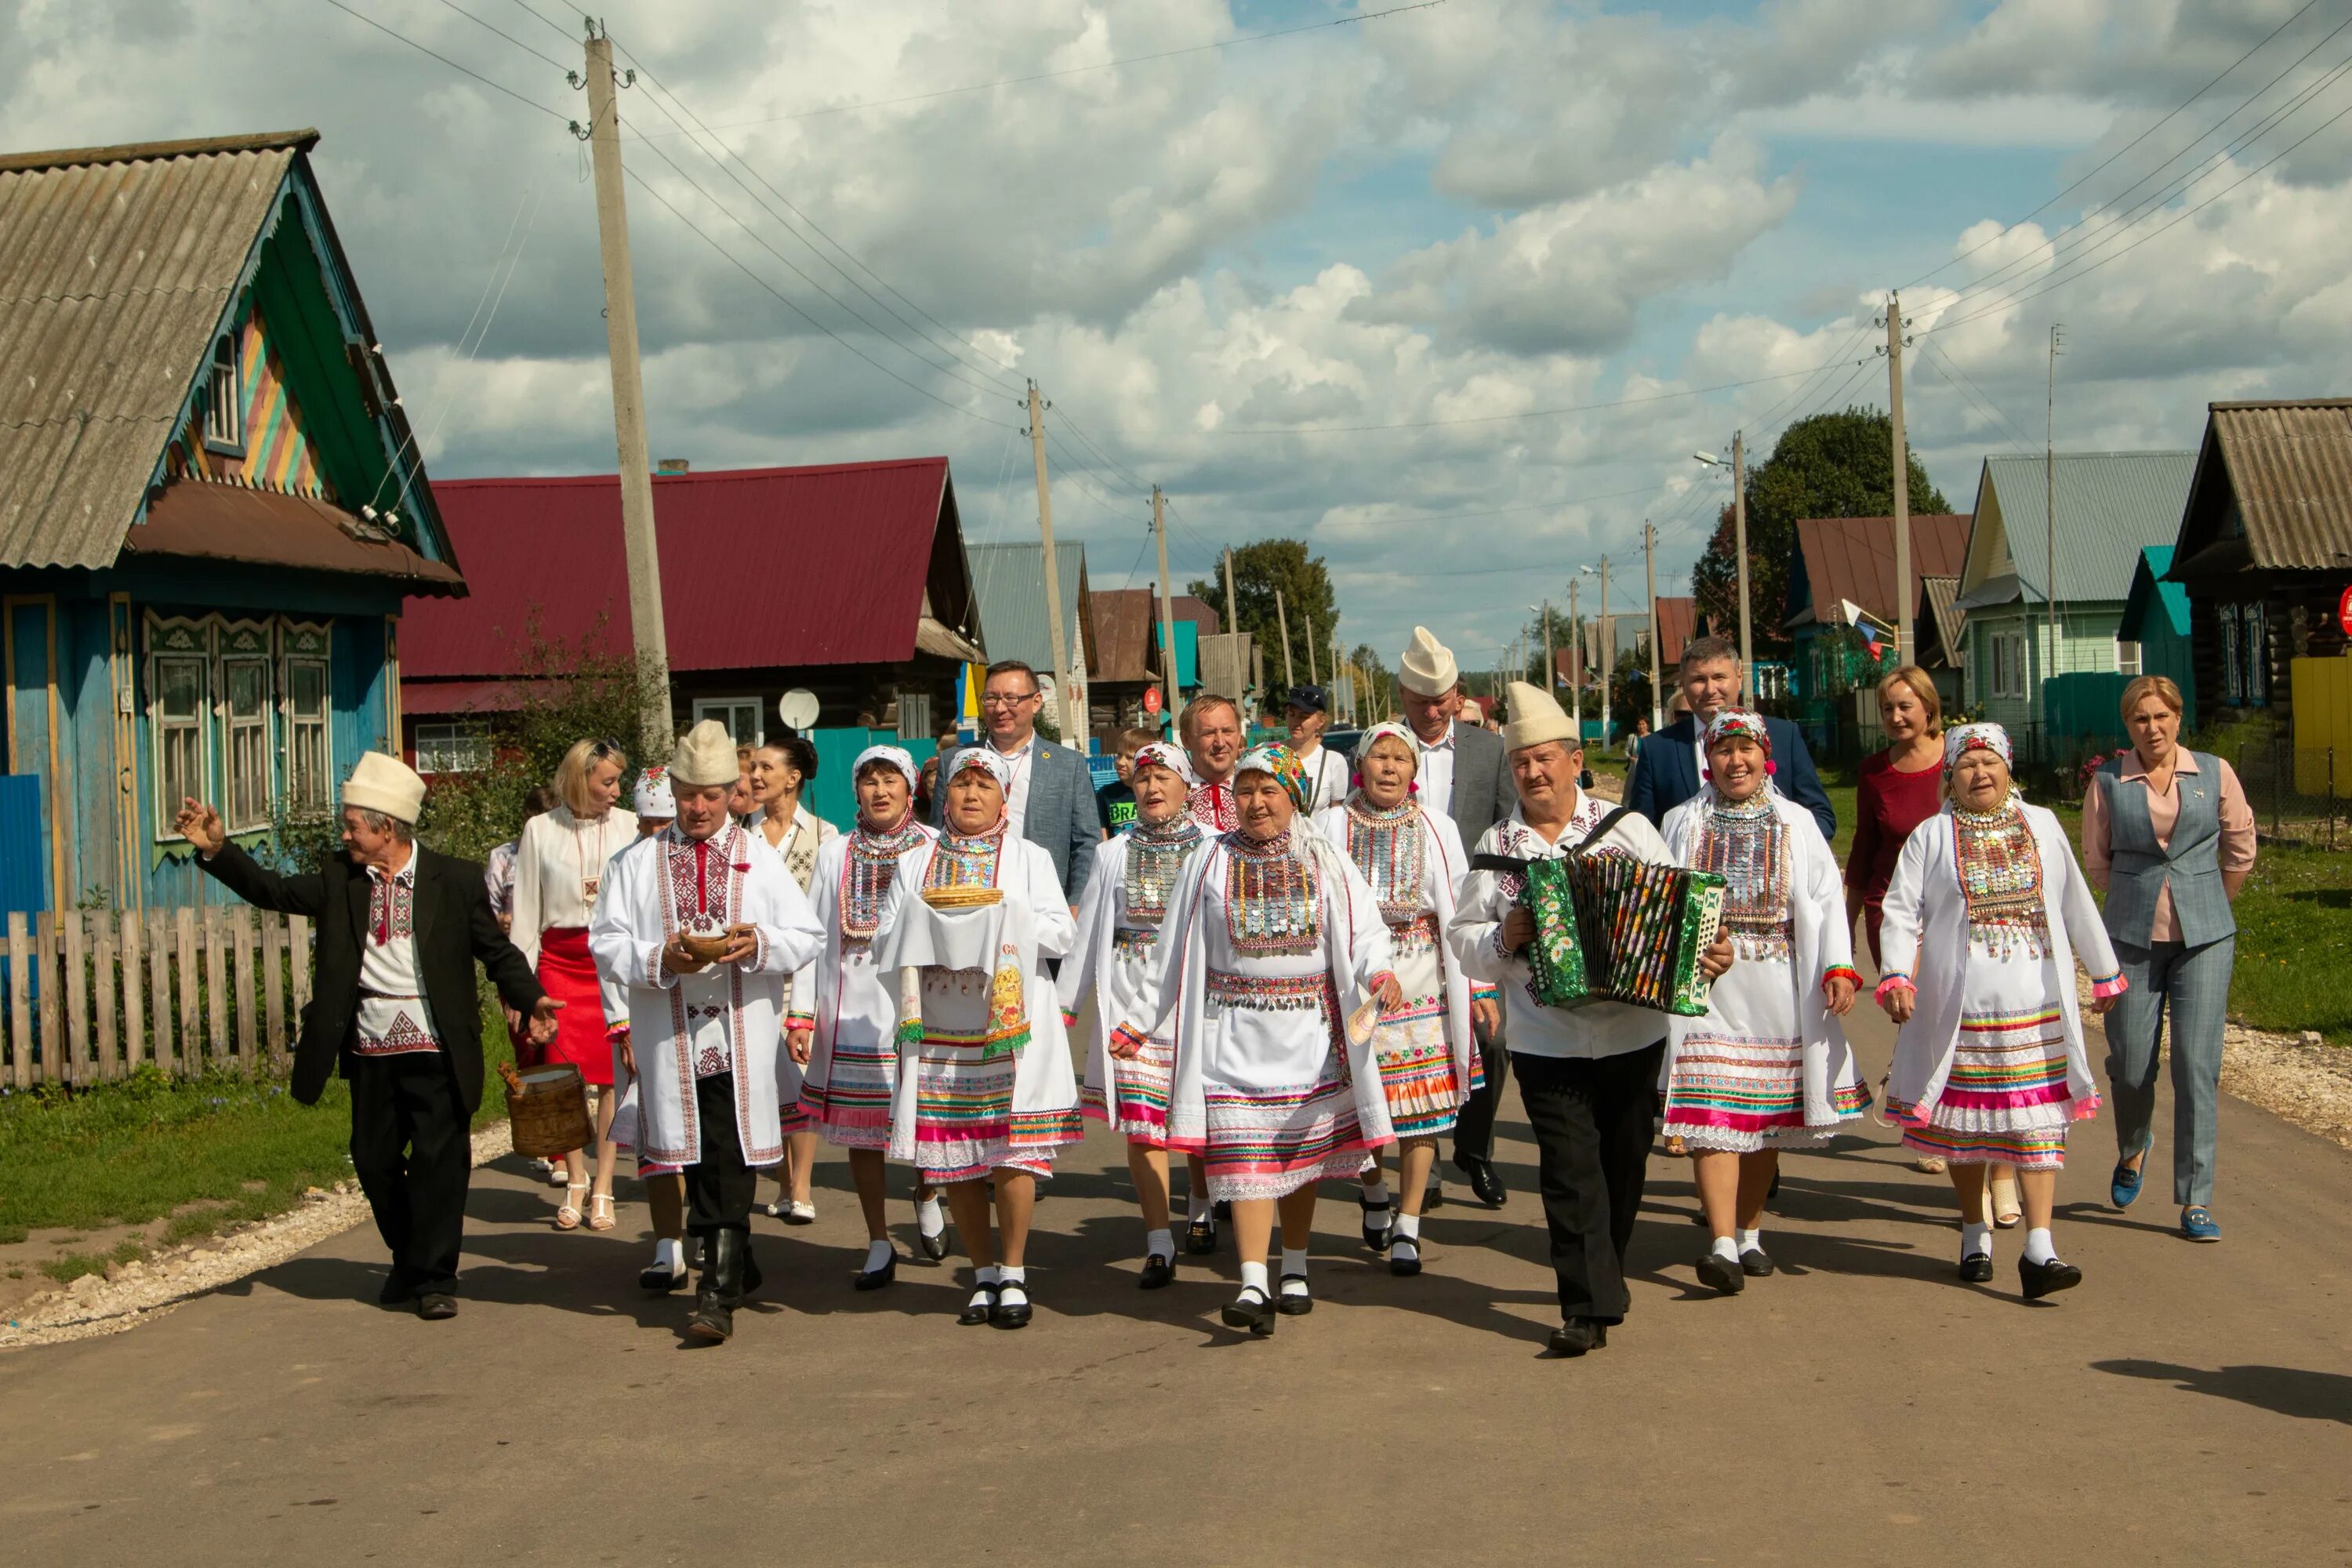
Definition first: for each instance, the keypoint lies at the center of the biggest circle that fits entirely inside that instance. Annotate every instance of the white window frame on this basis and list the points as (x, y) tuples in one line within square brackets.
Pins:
[(2255, 648), (2234, 684), (224, 414), (454, 746), (241, 645), (726, 708), (305, 645), (2129, 657), (174, 641), (915, 715)]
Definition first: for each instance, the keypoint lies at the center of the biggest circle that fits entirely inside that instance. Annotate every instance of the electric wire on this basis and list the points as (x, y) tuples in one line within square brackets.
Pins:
[(453, 65)]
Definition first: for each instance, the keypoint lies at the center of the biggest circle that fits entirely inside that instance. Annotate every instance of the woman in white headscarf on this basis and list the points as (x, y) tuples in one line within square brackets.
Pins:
[(843, 1020), (1113, 977), (1277, 965), (1768, 1067), (1429, 1062), (1984, 917), (985, 1092)]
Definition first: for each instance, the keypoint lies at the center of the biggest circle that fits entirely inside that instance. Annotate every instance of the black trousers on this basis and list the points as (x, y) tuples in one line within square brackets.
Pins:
[(1474, 1130), (718, 1186), (1592, 1119), (414, 1153)]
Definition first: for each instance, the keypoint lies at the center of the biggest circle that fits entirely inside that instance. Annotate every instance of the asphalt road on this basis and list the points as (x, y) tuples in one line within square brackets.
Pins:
[(2188, 1404)]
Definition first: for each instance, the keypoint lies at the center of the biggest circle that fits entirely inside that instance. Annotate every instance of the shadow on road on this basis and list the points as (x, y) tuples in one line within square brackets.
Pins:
[(2281, 1390)]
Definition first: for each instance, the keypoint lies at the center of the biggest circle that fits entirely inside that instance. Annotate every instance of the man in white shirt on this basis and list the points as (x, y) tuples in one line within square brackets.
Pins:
[(1587, 1076)]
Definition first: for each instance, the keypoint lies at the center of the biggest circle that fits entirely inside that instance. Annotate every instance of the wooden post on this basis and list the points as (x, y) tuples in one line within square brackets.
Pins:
[(1282, 621), (1172, 695), (215, 937), (159, 990), (1739, 549), (51, 1004), (1074, 720), (75, 1035), (20, 1001), (273, 984), (240, 925), (297, 960), (191, 1049), (641, 552), (134, 992), (101, 992), (1903, 597)]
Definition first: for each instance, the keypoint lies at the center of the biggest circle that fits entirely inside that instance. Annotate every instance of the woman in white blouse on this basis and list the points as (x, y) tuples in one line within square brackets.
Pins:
[(780, 769), (559, 865)]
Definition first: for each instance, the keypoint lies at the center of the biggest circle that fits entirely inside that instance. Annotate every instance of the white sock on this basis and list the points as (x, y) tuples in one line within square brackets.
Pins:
[(1751, 1240), (2038, 1249), (878, 1256), (1254, 1279), (1376, 1192), (1161, 1242), (1725, 1248), (1976, 1240), (1408, 1225), (1009, 1275), (670, 1253), (986, 1274), (929, 1219)]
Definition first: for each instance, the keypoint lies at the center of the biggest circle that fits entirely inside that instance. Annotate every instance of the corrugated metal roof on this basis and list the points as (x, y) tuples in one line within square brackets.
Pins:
[(2111, 505), (230, 522), (115, 266), (2290, 468), (1853, 558), (1009, 581), (1940, 592), (1678, 623), (761, 568), (1125, 640)]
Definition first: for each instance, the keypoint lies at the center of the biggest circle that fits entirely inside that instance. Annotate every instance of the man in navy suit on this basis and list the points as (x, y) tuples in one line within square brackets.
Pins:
[(1668, 772), (1052, 801)]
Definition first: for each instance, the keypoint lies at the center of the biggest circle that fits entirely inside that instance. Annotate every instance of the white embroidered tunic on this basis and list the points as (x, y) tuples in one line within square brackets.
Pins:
[(393, 1018)]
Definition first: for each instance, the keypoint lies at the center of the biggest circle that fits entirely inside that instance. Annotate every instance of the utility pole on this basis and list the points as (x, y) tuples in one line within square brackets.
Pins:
[(1172, 695), (1232, 623), (642, 552), (1904, 596), (1739, 547), (1575, 663), (1336, 675), (1607, 645), (1551, 660), (1311, 677), (2050, 502), (1650, 572), (1282, 620), (1073, 726)]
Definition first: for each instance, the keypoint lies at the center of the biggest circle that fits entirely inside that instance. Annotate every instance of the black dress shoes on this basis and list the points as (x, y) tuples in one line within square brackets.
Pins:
[(435, 1306), (1012, 1310), (1159, 1273), (1756, 1263), (1200, 1234), (2040, 1279), (875, 1279), (1379, 1219), (725, 1254), (1723, 1273), (1482, 1178), (1579, 1335), (1975, 1268), (397, 1290), (978, 1310), (1250, 1312), (661, 1281), (935, 1247), (1294, 1303)]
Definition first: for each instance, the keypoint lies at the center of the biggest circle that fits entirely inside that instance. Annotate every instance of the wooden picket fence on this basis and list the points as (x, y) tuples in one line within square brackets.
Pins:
[(95, 994)]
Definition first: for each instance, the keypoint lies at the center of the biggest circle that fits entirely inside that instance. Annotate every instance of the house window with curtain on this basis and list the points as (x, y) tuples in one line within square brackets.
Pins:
[(2128, 659), (453, 748), (305, 697), (245, 754), (224, 399), (740, 715), (914, 716), (178, 712)]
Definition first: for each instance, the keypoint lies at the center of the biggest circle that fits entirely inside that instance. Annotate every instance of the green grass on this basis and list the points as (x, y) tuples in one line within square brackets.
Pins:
[(209, 1153), (2295, 943)]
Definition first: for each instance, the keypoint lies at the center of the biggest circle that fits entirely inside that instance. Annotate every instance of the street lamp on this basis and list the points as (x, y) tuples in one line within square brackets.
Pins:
[(1738, 467)]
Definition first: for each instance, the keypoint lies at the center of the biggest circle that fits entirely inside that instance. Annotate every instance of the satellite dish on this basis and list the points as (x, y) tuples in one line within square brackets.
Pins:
[(1047, 690), (798, 708)]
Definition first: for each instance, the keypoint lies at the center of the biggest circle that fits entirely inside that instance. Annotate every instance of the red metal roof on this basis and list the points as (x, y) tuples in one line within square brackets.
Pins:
[(1853, 558), (761, 567)]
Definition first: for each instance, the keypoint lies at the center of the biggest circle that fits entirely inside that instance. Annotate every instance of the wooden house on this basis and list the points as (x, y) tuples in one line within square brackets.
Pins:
[(1852, 559), (211, 509), (2110, 507), (1009, 581), (2156, 624), (2264, 548)]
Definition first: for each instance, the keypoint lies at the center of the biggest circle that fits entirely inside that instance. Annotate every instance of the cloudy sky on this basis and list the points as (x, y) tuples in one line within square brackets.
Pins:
[(1453, 291)]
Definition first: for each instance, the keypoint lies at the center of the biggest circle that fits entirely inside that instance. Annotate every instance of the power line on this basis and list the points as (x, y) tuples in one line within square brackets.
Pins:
[(453, 65), (1081, 71), (510, 38), (2127, 146), (558, 28)]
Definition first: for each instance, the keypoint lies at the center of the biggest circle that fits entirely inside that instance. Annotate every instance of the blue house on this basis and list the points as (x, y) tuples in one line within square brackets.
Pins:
[(2156, 617), (211, 509)]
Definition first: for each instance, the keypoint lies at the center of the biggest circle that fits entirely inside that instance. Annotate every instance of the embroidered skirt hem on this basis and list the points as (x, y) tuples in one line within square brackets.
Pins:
[(1268, 1144), (1136, 1104), (1417, 1077)]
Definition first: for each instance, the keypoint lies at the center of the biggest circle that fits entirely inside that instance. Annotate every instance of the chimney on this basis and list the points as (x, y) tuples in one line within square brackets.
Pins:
[(672, 466)]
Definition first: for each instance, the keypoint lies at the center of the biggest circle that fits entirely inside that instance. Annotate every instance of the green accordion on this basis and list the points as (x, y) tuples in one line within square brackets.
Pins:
[(1613, 929)]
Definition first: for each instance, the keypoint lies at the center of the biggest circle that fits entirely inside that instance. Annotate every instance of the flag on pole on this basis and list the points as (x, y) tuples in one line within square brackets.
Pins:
[(1874, 631)]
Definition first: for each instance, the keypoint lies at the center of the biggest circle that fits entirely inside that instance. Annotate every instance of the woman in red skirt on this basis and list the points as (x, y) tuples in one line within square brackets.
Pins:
[(558, 865)]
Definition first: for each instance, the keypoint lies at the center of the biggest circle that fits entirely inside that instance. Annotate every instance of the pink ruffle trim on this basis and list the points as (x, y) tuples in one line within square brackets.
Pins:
[(1892, 982), (2114, 985)]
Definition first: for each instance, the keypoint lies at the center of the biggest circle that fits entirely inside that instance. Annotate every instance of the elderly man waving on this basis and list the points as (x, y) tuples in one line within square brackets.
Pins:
[(1589, 1077)]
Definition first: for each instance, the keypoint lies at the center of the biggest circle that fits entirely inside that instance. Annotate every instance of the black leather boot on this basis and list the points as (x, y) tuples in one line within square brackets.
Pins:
[(722, 1287)]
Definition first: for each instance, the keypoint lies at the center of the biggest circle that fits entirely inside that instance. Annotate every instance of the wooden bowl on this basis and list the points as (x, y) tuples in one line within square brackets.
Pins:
[(710, 947)]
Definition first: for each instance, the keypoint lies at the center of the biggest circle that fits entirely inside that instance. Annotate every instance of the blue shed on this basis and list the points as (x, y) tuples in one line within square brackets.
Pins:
[(211, 507), (2156, 616)]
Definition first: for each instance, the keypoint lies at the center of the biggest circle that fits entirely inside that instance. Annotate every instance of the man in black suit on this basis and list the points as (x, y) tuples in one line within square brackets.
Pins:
[(1667, 772), (1465, 775), (393, 1005)]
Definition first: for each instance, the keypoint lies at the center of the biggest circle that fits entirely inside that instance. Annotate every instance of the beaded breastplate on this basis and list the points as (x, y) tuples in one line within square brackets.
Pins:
[(962, 862), (1271, 908), (1389, 847), (2000, 881), (1746, 844), (1154, 856), (866, 873)]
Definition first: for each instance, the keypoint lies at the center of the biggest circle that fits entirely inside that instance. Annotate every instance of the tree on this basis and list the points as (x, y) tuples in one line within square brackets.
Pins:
[(1259, 570), (1830, 464)]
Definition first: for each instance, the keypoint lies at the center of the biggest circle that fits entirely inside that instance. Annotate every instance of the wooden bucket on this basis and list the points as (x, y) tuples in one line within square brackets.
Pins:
[(548, 1107)]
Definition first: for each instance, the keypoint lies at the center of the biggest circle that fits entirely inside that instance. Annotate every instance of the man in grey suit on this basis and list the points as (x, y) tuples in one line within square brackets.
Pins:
[(1465, 775), (1052, 801)]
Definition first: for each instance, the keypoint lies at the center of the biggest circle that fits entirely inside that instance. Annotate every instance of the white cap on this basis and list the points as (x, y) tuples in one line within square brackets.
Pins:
[(1427, 667), (1536, 717), (705, 757), (386, 784)]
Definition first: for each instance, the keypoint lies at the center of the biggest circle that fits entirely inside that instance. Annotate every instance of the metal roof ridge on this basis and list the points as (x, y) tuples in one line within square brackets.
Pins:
[(300, 141), (692, 476), (2251, 405)]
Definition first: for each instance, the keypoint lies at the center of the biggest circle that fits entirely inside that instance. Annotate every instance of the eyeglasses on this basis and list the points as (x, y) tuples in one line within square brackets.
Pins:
[(1002, 699)]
